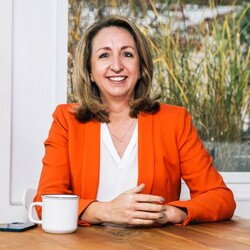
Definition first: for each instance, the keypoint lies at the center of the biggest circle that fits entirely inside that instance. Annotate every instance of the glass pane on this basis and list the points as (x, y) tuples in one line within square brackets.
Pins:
[(230, 157), (201, 61)]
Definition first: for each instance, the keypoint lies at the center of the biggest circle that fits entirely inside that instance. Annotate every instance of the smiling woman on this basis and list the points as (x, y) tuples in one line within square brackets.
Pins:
[(130, 49), (115, 65), (122, 151), (115, 69)]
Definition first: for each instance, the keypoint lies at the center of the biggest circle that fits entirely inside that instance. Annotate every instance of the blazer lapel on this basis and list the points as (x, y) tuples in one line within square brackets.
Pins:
[(145, 152), (91, 160)]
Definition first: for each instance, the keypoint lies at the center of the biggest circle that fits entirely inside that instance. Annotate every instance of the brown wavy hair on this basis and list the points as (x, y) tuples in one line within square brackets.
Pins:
[(90, 105)]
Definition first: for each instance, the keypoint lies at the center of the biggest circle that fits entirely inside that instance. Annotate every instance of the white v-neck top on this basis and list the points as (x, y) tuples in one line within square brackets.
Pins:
[(117, 175)]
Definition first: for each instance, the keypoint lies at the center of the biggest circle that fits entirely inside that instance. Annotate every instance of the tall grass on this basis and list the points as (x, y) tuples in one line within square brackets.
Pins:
[(206, 69), (203, 67)]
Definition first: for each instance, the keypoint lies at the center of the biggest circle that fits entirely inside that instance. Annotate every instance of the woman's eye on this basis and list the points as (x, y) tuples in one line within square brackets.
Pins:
[(128, 54), (103, 55)]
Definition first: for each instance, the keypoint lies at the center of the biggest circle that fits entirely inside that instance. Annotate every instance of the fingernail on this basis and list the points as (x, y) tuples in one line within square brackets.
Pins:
[(164, 208), (161, 216), (162, 199)]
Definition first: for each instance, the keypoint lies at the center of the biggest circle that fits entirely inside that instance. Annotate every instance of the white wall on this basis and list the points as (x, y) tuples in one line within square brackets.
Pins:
[(33, 80)]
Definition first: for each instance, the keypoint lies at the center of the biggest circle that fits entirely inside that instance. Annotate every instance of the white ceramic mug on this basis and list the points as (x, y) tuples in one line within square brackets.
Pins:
[(59, 213)]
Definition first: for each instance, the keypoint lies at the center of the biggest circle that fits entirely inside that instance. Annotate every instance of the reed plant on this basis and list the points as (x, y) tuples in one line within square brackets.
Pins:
[(203, 67)]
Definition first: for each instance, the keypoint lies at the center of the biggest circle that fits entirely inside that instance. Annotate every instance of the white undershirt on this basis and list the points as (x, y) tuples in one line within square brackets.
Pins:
[(117, 175)]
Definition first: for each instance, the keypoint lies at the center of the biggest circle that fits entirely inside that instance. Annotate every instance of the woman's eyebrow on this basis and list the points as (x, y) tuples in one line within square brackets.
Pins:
[(127, 47), (103, 48), (122, 48)]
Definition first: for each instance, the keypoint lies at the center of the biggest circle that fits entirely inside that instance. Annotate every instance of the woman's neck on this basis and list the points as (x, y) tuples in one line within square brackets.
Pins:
[(119, 114), (118, 110), (117, 106)]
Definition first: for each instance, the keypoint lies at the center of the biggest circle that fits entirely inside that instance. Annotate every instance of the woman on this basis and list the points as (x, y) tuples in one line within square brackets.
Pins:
[(122, 151)]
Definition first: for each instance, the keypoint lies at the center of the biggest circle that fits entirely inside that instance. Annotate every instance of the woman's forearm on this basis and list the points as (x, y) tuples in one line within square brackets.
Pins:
[(95, 213)]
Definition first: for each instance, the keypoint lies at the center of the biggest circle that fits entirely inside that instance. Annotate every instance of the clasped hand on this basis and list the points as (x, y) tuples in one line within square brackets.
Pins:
[(135, 209)]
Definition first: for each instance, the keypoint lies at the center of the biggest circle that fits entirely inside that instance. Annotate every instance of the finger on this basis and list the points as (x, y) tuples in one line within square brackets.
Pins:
[(147, 198), (149, 207), (140, 222), (136, 190), (143, 218), (163, 219), (148, 215)]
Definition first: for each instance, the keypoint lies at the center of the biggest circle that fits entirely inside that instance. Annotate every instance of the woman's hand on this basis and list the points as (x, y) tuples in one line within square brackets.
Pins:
[(133, 208), (173, 215), (129, 208)]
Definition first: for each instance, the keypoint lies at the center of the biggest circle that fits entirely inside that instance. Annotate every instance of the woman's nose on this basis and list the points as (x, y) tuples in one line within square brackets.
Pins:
[(116, 64)]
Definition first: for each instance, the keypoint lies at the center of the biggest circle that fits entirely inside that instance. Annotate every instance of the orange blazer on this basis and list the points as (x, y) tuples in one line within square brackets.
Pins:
[(169, 149)]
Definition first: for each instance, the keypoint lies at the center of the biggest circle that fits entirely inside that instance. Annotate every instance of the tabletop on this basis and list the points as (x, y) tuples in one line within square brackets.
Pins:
[(231, 234)]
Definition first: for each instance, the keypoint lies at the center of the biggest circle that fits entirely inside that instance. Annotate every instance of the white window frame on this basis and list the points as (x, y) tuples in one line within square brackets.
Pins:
[(55, 64)]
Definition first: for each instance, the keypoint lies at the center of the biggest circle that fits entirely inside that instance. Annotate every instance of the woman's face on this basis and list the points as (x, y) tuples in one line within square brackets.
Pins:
[(115, 66)]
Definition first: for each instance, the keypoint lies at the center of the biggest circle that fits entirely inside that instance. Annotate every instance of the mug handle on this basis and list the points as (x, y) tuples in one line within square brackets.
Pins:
[(31, 210)]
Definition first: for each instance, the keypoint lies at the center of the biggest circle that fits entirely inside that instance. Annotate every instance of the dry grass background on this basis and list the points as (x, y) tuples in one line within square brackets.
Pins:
[(204, 67)]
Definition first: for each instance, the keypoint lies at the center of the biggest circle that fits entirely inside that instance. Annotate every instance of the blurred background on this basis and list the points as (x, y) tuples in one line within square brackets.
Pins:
[(201, 61)]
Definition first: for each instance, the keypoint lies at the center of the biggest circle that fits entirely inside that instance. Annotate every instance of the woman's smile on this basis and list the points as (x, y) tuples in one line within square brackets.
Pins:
[(117, 79)]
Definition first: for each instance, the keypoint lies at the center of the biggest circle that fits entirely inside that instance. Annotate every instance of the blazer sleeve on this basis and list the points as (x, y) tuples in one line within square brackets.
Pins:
[(211, 200), (56, 172)]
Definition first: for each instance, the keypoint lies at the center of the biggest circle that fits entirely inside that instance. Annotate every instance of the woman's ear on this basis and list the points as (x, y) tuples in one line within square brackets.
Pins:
[(91, 77)]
